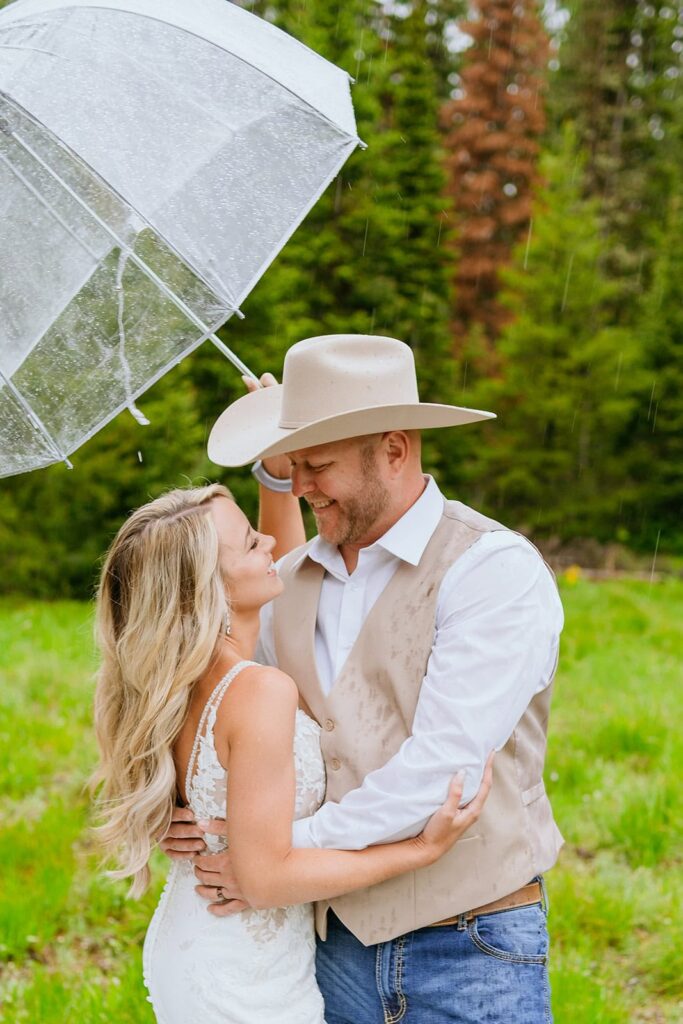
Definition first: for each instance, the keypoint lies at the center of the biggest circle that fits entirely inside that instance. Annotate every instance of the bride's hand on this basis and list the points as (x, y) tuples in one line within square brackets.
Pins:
[(277, 465), (448, 824)]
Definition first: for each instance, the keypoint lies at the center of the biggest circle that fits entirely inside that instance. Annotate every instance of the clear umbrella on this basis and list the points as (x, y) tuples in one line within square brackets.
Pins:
[(155, 156)]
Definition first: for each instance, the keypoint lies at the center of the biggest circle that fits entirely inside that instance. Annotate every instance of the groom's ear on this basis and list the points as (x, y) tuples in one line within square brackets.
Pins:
[(396, 447)]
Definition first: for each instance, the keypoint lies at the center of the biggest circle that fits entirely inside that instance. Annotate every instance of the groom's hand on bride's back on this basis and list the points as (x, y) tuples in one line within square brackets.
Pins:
[(184, 839)]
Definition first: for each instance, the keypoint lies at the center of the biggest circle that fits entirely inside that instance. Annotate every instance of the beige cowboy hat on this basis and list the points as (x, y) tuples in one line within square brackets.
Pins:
[(333, 387)]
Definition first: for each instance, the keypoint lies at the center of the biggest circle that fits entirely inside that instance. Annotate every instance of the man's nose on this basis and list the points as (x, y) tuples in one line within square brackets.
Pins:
[(302, 482)]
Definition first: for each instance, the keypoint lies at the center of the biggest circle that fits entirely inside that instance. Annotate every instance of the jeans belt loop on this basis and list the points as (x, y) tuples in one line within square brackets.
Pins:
[(462, 922), (544, 893)]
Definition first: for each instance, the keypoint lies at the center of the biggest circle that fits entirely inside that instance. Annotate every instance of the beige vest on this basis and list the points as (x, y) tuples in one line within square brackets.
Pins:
[(369, 713)]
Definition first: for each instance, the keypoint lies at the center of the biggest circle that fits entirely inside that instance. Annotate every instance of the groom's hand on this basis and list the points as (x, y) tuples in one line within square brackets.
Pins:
[(184, 838), (267, 380), (217, 881)]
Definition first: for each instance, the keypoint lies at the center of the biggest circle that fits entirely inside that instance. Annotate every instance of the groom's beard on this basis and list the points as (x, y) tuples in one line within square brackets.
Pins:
[(360, 515), (355, 518)]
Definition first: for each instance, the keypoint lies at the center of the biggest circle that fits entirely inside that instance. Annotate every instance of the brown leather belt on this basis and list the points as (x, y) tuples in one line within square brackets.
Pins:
[(524, 897)]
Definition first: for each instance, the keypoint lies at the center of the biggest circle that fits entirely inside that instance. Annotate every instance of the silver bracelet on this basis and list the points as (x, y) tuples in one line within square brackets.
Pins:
[(271, 483)]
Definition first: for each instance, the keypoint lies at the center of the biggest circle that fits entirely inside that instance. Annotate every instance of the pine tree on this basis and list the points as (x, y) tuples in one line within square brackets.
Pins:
[(568, 380), (492, 142), (617, 84), (410, 193), (657, 452), (441, 19), (370, 250)]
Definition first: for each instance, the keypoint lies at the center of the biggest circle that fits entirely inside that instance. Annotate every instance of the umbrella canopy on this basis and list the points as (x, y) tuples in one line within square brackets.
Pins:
[(155, 156)]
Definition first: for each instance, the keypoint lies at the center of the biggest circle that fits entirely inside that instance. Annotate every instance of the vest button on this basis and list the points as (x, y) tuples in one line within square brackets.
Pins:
[(335, 764), (329, 724)]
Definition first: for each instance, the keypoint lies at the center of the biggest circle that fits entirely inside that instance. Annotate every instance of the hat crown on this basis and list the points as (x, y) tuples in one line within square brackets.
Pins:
[(338, 373)]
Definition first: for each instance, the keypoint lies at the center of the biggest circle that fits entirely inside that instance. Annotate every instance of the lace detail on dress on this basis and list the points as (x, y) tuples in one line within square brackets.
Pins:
[(309, 766)]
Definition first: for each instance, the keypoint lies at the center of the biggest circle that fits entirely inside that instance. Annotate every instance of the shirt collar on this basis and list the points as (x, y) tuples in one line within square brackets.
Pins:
[(406, 539)]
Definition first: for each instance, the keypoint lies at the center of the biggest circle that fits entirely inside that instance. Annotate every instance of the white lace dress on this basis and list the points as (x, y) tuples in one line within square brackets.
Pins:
[(252, 967)]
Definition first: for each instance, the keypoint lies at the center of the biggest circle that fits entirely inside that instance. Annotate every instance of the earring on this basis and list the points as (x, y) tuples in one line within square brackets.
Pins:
[(225, 622)]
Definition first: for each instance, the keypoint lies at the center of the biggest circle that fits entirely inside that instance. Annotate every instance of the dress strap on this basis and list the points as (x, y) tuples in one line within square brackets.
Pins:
[(212, 703)]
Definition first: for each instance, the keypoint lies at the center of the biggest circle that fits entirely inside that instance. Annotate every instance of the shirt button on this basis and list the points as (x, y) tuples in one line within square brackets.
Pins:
[(335, 764), (329, 724)]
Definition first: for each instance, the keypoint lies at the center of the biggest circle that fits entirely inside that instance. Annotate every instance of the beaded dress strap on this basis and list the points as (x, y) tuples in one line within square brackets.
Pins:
[(214, 700)]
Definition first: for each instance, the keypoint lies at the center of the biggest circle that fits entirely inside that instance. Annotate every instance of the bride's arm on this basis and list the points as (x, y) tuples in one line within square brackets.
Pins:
[(258, 717)]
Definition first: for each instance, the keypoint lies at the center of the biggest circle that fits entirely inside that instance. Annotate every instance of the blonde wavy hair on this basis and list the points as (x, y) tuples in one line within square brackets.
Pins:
[(160, 606)]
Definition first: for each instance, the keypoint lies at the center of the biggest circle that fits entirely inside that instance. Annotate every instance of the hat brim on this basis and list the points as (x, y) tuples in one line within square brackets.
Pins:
[(249, 428)]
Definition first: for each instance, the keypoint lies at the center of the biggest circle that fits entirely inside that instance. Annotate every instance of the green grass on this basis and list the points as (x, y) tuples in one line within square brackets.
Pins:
[(70, 941), (616, 746)]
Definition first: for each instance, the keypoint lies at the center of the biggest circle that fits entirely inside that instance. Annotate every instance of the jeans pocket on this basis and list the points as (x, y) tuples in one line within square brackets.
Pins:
[(517, 936)]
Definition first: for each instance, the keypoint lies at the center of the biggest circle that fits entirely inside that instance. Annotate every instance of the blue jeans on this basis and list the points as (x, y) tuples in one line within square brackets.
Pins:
[(490, 971)]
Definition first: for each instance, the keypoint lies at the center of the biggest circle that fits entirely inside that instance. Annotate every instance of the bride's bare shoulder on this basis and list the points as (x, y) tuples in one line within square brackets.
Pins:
[(259, 710), (264, 685)]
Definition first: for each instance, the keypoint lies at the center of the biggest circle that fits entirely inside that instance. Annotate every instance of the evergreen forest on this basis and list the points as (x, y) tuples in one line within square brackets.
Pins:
[(517, 218)]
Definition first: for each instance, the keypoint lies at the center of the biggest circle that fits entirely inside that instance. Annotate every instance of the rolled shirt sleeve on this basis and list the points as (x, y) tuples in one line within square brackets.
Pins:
[(498, 622)]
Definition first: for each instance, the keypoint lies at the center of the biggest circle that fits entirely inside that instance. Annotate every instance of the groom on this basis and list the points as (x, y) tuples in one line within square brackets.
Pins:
[(422, 635)]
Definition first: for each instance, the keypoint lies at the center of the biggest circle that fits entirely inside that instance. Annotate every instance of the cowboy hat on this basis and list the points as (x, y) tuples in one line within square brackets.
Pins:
[(333, 387)]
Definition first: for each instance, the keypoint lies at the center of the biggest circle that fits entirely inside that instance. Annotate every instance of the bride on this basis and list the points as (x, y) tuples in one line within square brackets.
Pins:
[(184, 715)]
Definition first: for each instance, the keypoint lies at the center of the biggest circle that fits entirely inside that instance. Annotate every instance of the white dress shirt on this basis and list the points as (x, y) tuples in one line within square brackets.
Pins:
[(496, 637)]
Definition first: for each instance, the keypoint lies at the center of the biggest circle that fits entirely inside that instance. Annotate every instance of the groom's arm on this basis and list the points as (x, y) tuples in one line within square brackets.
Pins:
[(495, 644)]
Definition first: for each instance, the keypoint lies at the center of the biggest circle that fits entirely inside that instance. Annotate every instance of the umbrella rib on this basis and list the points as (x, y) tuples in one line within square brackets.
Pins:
[(140, 263), (36, 420), (29, 49)]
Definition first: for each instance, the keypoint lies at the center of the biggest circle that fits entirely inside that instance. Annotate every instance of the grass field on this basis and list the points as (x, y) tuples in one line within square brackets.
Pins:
[(70, 942)]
